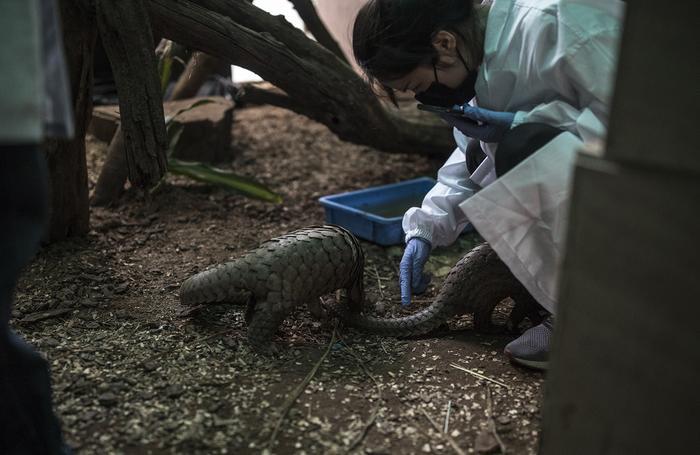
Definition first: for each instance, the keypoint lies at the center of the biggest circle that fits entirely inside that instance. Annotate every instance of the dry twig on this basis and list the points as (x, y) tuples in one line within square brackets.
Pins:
[(446, 428), (299, 390), (480, 376), (383, 348), (449, 438), (492, 423), (375, 412), (379, 283)]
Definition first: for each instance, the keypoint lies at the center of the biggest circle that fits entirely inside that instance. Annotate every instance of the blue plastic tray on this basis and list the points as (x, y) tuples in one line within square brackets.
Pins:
[(375, 214)]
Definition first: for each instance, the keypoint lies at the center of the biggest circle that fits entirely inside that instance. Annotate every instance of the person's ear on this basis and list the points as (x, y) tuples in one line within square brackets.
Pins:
[(445, 44)]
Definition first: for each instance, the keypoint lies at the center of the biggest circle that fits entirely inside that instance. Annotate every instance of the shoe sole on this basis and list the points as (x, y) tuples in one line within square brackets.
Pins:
[(541, 365)]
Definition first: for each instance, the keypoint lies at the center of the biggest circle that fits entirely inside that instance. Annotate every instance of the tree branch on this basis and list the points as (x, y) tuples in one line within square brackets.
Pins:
[(263, 93), (126, 34), (322, 87), (307, 12)]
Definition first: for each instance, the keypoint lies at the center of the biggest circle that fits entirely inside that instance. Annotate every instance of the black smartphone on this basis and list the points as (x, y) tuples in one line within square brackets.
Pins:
[(440, 110)]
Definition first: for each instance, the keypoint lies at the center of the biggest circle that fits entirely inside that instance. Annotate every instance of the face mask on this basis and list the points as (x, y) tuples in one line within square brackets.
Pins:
[(439, 94)]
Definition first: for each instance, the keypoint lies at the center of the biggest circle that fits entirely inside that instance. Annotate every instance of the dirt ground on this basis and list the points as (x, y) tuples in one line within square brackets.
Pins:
[(132, 375)]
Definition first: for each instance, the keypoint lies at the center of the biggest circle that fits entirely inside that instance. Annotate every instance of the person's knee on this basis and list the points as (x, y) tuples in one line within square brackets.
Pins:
[(521, 142)]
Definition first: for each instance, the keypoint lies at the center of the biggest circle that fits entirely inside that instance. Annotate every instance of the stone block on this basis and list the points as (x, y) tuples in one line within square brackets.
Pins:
[(207, 134), (207, 130), (104, 122)]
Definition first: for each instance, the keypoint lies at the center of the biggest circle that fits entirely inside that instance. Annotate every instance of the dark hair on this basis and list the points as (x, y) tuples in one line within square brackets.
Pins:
[(391, 38)]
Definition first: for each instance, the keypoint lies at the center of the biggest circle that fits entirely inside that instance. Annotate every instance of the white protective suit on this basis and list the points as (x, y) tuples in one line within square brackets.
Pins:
[(552, 62)]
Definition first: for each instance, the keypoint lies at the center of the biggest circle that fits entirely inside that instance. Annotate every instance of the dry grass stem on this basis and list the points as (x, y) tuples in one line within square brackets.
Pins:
[(492, 423), (449, 438), (299, 390), (446, 428), (375, 412), (480, 376), (379, 283)]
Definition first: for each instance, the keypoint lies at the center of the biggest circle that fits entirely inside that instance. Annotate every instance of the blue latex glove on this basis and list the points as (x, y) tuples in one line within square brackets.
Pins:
[(480, 123), (411, 276)]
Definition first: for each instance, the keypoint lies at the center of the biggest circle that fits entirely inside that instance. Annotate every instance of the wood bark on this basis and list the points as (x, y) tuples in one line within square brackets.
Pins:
[(196, 73), (307, 12), (263, 93), (128, 40), (113, 175), (319, 85), (69, 209)]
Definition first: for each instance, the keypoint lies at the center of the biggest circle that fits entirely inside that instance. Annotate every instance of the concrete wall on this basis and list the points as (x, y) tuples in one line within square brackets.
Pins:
[(339, 16)]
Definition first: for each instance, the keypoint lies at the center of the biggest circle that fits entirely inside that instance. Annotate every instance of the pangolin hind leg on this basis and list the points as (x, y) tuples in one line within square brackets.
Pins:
[(492, 282), (263, 324)]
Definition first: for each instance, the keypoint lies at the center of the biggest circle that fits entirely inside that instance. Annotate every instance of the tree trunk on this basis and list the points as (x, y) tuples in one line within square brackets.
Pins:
[(69, 209), (322, 87), (128, 40)]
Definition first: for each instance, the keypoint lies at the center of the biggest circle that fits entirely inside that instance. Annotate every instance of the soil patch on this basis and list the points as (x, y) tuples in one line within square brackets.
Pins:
[(131, 375)]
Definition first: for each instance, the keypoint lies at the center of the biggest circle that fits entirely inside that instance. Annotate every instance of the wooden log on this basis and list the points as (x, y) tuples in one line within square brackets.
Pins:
[(128, 40), (322, 87), (200, 67), (263, 93), (69, 209), (113, 175)]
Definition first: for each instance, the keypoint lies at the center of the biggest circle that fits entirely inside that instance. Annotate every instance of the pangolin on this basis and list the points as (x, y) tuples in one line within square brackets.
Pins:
[(301, 266), (281, 274)]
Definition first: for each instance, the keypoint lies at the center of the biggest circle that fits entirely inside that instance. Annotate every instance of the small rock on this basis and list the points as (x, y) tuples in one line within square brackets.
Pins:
[(486, 443), (503, 420), (88, 416), (50, 342), (174, 391), (149, 365), (426, 448), (121, 288), (380, 307), (231, 343), (107, 399), (89, 303)]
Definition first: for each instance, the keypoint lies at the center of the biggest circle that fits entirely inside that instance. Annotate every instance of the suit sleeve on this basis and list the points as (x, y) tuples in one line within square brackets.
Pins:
[(587, 71), (440, 220)]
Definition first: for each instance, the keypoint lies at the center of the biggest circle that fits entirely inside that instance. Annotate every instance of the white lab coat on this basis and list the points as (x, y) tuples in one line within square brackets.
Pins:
[(549, 61)]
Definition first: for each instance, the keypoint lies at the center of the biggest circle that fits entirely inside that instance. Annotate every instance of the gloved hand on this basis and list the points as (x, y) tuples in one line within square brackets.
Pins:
[(411, 276), (480, 123)]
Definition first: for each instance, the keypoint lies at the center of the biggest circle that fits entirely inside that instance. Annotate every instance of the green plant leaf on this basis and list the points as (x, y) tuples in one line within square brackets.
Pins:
[(194, 105), (209, 174), (166, 68), (174, 132)]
